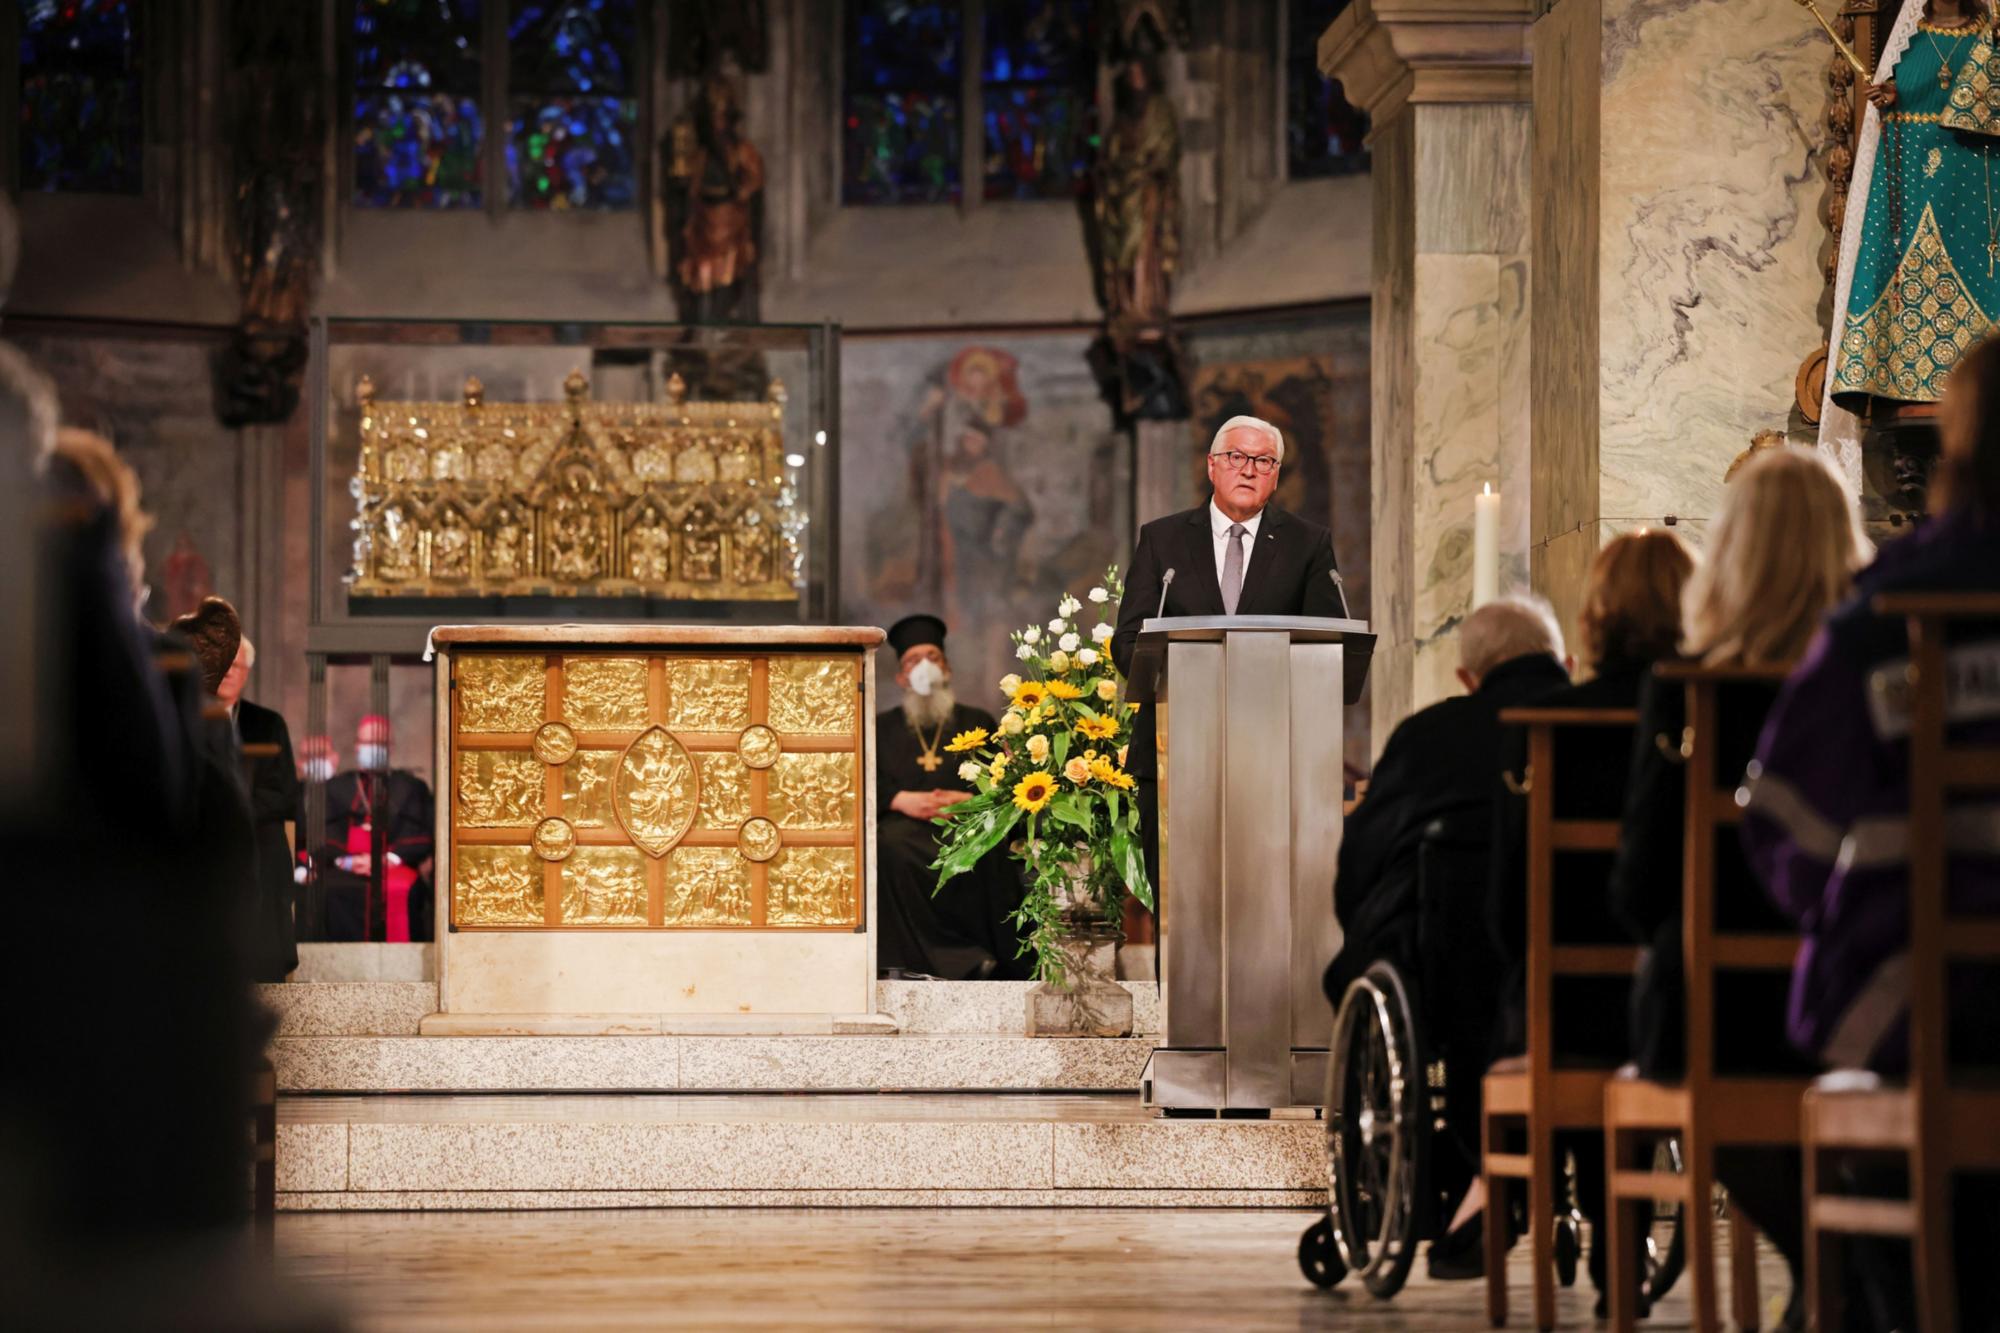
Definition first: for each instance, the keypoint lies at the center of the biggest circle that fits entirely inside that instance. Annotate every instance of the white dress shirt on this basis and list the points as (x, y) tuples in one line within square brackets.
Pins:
[(1218, 526)]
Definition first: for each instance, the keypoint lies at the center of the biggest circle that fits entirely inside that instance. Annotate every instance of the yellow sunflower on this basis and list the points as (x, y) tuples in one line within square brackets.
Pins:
[(1033, 792), (967, 740), (1111, 775), (1062, 689), (1097, 728), (1029, 694)]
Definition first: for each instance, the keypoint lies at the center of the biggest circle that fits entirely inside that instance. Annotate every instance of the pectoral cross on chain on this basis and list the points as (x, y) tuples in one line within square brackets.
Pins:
[(930, 761), (1992, 256)]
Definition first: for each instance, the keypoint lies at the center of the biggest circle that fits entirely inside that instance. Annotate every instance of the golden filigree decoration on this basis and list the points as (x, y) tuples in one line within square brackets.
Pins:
[(604, 886), (812, 886), (587, 788), (605, 693), (758, 746), (707, 886), (574, 499), (655, 791), (499, 789), (708, 695), (813, 695), (725, 790), (501, 692), (554, 743), (1925, 319), (496, 886), (813, 791), (758, 839), (554, 839)]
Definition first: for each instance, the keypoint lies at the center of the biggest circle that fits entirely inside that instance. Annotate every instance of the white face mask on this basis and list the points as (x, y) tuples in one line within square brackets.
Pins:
[(372, 756), (926, 676)]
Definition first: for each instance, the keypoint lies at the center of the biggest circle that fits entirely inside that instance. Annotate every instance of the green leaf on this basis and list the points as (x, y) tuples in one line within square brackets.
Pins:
[(1069, 808), (1131, 865), (1059, 752), (1111, 799), (972, 839)]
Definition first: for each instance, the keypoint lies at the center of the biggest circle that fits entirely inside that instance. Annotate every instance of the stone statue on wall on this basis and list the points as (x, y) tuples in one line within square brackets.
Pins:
[(1136, 217), (715, 221), (275, 233)]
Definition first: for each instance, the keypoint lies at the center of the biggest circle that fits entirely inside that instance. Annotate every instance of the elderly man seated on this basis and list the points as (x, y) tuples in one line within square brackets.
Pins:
[(1439, 776)]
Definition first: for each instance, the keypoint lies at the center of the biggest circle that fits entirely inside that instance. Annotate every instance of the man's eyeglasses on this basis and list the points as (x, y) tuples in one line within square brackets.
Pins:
[(1262, 465)]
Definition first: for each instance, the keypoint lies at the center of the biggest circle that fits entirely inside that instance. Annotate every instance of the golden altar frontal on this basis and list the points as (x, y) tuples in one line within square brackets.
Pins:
[(654, 820)]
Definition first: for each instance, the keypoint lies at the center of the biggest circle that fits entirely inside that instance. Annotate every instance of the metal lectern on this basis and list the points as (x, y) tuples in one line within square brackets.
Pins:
[(1249, 713)]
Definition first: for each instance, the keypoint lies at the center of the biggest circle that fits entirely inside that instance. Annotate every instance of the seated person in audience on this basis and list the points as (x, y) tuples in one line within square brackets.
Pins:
[(394, 905), (1442, 763), (1826, 822), (1631, 618), (278, 806), (1782, 551)]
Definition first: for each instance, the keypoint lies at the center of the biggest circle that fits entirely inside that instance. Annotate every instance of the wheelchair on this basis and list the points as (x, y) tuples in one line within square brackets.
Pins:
[(1402, 1094)]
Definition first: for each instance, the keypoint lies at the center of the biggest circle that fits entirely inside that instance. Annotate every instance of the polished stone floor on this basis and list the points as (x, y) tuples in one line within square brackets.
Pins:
[(863, 1268)]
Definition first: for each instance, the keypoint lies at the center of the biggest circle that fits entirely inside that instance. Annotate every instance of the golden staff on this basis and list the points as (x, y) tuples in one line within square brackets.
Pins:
[(1845, 49)]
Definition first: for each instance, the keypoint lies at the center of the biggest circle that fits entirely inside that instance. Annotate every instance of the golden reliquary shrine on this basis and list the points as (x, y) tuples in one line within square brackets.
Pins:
[(661, 786), (677, 500)]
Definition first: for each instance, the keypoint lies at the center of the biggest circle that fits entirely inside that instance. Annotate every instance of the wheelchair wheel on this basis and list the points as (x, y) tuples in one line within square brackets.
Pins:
[(1319, 1259), (1377, 1132), (1666, 1246)]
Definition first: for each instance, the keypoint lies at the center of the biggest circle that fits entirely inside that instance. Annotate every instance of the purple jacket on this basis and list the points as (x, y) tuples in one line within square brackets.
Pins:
[(1825, 822)]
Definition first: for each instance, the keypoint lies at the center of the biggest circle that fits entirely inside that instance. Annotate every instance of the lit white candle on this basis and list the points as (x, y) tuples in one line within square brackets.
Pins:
[(1485, 546)]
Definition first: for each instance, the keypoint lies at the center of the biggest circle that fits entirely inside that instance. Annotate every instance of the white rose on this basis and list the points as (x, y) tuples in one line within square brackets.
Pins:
[(1009, 683), (1012, 724), (1069, 606), (1031, 635), (1088, 657), (969, 771), (1068, 643), (1102, 633), (1058, 625), (1100, 596), (1024, 652), (1038, 748)]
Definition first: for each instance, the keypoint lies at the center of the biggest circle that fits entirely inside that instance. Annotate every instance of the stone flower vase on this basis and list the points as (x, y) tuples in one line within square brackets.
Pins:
[(1090, 1002)]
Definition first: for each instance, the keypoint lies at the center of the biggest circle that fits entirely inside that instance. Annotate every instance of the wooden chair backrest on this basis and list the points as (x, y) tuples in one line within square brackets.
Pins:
[(1712, 812), (1938, 771), (1548, 835)]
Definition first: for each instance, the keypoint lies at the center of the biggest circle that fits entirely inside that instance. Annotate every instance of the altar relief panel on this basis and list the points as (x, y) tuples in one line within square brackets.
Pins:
[(671, 791)]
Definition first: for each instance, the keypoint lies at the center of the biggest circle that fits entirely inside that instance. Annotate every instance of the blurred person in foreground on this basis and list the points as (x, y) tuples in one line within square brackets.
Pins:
[(1826, 823), (1631, 618), (1783, 550)]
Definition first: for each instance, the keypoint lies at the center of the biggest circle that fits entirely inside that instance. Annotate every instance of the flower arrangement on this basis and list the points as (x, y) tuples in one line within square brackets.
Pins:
[(1054, 772)]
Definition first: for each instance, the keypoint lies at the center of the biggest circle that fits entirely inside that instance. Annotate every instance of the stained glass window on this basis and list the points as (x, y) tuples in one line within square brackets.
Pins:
[(419, 134), (81, 124), (573, 110), (900, 112), (1038, 97), (1323, 133)]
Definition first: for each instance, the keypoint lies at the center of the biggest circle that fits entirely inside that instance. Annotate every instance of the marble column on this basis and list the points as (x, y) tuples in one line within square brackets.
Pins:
[(1676, 284), (1447, 90)]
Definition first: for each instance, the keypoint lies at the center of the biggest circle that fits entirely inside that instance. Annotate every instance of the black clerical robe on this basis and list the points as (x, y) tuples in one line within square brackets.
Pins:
[(277, 798), (959, 930), (402, 802)]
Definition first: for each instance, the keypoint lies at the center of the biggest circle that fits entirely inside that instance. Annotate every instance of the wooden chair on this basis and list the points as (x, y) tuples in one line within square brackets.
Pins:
[(1705, 1110), (1937, 1122), (1529, 1090)]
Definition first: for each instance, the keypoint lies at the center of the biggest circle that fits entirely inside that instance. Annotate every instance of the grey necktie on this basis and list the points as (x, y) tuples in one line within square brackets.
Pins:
[(1232, 569)]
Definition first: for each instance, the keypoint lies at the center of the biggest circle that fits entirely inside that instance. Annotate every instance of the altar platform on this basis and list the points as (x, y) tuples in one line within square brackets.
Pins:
[(952, 1108)]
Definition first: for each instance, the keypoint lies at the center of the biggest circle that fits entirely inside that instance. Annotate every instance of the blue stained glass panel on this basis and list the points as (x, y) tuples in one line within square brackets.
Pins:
[(900, 148), (583, 46), (894, 45), (419, 135), (1323, 133), (417, 150), (571, 152), (1039, 140), (81, 125), (1040, 41)]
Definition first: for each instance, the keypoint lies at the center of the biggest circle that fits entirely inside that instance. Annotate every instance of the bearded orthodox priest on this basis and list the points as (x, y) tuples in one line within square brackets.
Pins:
[(962, 932), (1919, 276)]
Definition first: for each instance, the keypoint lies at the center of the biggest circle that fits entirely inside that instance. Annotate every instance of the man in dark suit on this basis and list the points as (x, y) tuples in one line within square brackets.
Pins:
[(1237, 555), (277, 804)]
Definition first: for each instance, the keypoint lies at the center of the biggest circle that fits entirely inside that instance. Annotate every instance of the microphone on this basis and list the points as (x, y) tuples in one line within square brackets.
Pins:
[(1165, 584), (1340, 586)]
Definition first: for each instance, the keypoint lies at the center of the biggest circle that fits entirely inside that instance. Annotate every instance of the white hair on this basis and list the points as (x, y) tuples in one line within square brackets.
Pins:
[(1507, 628), (1258, 424), (249, 653)]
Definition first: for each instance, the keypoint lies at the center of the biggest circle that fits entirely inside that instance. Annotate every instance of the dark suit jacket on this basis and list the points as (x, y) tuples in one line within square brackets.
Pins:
[(276, 798), (1287, 576)]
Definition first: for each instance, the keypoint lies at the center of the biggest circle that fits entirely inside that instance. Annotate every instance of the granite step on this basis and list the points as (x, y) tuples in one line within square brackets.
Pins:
[(379, 1064), (681, 1150), (395, 1007)]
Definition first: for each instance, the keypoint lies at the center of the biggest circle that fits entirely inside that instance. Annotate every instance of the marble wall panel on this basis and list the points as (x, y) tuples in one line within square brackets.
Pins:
[(1712, 126)]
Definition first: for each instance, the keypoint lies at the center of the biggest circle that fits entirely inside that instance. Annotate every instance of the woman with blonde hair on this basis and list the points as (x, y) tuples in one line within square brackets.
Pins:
[(1781, 553)]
